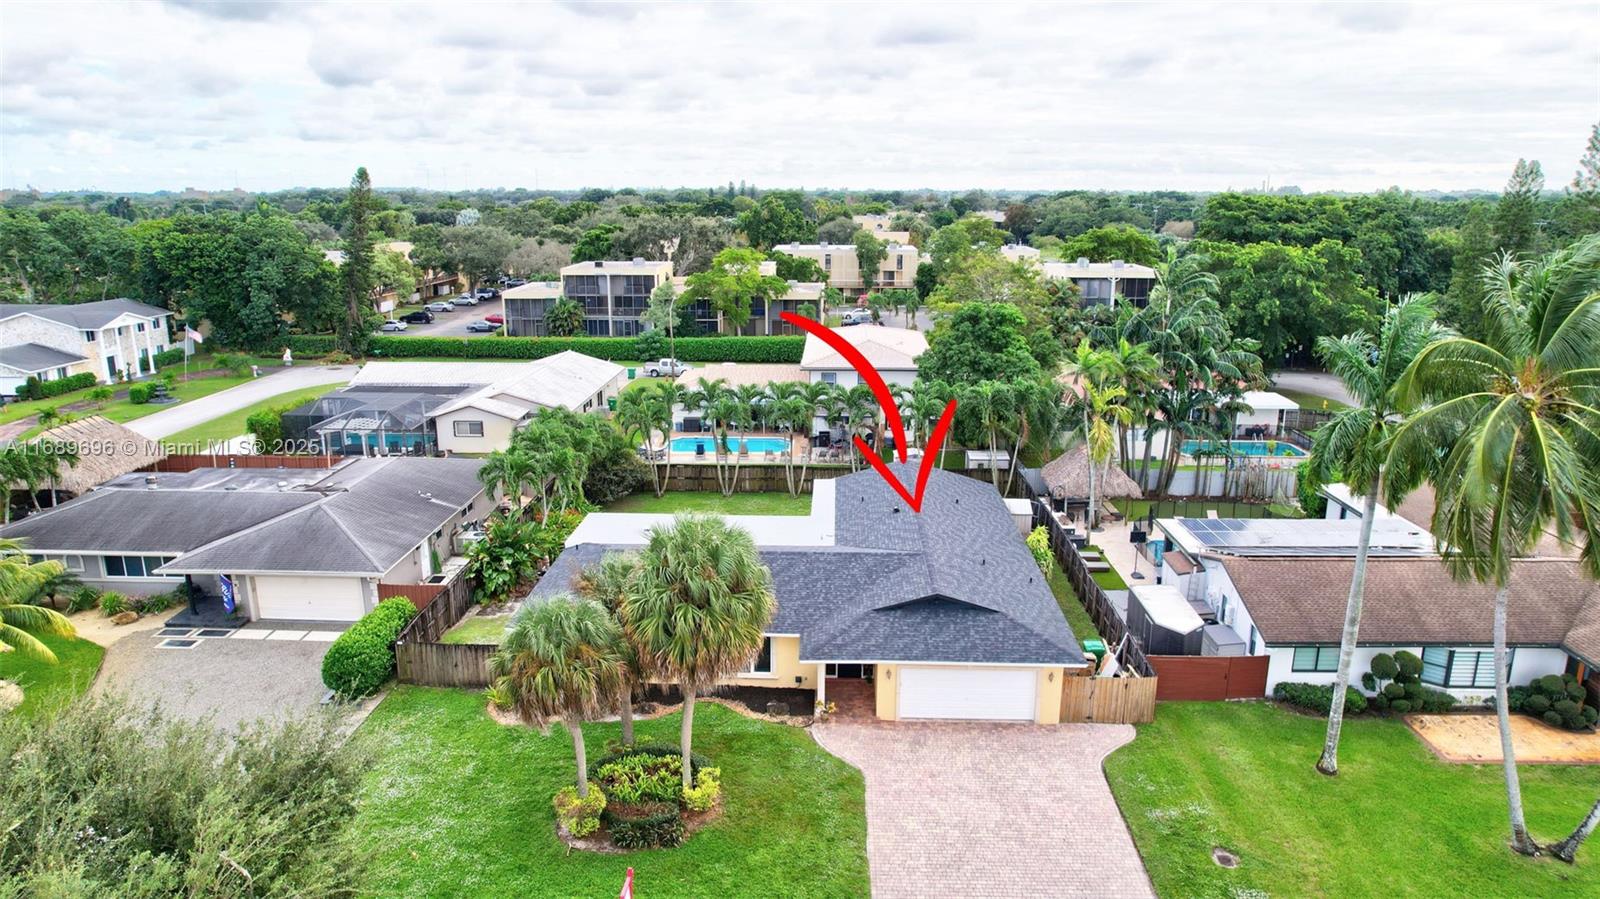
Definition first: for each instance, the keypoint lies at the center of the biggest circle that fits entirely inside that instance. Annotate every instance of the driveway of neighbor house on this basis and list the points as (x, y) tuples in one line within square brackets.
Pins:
[(271, 383), (235, 680), (975, 809)]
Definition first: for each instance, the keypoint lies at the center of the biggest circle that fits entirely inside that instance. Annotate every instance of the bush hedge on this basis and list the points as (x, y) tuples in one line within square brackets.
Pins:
[(580, 817), (1318, 697), (696, 760), (1558, 699), (139, 394), (362, 658), (173, 356), (35, 389), (785, 349)]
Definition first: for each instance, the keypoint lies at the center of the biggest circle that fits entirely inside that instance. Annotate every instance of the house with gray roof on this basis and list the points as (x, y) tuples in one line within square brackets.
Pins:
[(294, 544), (941, 614), (49, 341)]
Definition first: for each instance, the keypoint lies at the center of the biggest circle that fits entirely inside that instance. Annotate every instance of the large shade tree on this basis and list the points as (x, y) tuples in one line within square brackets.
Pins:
[(1351, 448), (1508, 433), (697, 608), (562, 658)]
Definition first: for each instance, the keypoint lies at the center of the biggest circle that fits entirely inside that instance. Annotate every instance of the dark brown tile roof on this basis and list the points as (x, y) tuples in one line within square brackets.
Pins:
[(1415, 601)]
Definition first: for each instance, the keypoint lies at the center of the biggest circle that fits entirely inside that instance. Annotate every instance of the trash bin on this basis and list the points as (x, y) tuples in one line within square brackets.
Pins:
[(611, 403), (1096, 648), (633, 373)]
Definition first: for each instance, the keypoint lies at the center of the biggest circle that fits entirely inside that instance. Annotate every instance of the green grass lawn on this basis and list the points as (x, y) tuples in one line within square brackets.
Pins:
[(1310, 400), (737, 504), (477, 629), (1077, 616), (1108, 580), (458, 805), (45, 685), (1197, 508), (1395, 822), (120, 410), (232, 425)]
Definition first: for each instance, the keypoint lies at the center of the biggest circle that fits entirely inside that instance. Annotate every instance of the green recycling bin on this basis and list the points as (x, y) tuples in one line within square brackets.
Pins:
[(1096, 648), (611, 403), (633, 373)]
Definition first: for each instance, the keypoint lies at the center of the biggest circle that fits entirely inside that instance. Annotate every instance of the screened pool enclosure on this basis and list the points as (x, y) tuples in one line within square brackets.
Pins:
[(365, 423)]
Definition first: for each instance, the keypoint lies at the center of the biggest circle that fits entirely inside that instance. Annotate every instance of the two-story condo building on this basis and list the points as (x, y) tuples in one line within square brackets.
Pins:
[(1105, 283), (111, 338), (898, 269)]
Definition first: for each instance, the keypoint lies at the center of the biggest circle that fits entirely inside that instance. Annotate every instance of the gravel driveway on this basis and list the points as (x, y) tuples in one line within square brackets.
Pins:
[(990, 810)]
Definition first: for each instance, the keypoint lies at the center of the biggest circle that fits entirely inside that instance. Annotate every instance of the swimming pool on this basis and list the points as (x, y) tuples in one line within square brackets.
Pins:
[(755, 444), (1277, 448)]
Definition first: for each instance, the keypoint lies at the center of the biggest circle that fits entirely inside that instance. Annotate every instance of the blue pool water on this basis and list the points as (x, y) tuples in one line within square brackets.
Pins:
[(1278, 448), (756, 444)]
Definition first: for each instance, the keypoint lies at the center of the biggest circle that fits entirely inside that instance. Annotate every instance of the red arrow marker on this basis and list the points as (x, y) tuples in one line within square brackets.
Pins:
[(875, 381)]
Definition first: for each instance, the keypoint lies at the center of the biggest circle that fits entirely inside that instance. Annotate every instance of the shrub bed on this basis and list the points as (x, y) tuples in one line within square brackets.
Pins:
[(1318, 697), (644, 826), (139, 394), (362, 658), (645, 800), (35, 389), (1557, 699)]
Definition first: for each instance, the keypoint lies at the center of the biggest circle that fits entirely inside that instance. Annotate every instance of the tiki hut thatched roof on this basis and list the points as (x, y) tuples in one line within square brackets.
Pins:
[(105, 450), (1067, 476)]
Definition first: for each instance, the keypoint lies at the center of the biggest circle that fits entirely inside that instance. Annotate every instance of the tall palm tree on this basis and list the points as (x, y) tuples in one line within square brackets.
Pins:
[(698, 607), (1351, 446), (1516, 418), (562, 658), (20, 580), (1097, 404), (638, 418), (1035, 407), (607, 582), (866, 420)]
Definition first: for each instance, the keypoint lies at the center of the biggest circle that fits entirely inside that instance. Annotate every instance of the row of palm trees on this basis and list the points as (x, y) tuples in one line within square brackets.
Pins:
[(33, 467), (688, 608), (1506, 430)]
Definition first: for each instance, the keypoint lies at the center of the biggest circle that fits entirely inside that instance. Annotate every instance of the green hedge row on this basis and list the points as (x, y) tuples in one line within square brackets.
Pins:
[(690, 349), (362, 658), (35, 389), (173, 356)]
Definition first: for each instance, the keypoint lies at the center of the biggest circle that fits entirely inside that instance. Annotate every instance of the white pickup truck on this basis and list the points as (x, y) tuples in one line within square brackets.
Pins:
[(664, 368)]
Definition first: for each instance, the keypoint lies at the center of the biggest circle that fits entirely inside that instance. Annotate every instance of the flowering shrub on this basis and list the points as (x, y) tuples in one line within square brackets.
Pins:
[(580, 817), (707, 787)]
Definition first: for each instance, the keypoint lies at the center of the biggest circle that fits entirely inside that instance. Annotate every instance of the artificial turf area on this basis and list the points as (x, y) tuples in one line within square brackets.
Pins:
[(737, 504), (1396, 821), (458, 805)]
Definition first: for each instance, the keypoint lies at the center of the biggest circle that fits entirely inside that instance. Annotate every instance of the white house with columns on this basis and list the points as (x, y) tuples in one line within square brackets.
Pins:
[(114, 339)]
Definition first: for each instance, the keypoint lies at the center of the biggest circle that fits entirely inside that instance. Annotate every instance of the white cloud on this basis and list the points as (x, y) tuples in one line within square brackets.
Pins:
[(1195, 96)]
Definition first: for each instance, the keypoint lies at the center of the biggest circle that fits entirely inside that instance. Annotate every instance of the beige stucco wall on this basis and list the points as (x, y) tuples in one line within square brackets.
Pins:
[(785, 668), (496, 432), (1047, 692), (844, 273), (23, 329)]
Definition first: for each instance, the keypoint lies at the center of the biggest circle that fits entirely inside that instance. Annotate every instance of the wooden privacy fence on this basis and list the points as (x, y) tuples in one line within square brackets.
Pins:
[(419, 657), (1090, 593), (1209, 678), (1108, 700)]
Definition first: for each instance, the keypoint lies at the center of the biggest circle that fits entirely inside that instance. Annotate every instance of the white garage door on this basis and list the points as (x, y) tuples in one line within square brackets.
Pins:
[(308, 598), (987, 694)]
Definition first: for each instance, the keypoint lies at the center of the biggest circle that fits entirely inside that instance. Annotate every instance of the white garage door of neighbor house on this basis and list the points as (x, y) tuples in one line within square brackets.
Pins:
[(985, 694), (307, 605)]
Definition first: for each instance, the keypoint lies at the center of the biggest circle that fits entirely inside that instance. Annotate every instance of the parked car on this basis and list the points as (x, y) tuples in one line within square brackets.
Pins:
[(515, 282), (420, 317), (486, 293), (664, 368), (495, 317), (440, 306), (393, 325), (483, 326), (856, 317), (466, 299)]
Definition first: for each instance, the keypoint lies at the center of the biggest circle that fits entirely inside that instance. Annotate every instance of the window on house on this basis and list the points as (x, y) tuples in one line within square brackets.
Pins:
[(88, 335), (1443, 667), (136, 566), (139, 327), (829, 377), (899, 263), (762, 663), (1252, 639), (467, 428), (827, 261), (1315, 658)]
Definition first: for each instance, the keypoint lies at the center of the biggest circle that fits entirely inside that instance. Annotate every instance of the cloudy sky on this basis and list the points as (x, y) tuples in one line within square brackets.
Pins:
[(264, 95)]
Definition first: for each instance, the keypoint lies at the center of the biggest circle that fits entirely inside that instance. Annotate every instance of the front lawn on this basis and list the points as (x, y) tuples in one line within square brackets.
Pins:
[(458, 805), (1395, 822), (226, 427), (477, 629), (737, 504), (45, 685)]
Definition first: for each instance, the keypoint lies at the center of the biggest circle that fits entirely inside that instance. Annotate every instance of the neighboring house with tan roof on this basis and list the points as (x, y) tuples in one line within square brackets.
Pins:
[(1280, 587), (892, 351)]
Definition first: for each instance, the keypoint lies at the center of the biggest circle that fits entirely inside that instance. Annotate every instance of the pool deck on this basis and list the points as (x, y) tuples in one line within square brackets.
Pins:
[(754, 455)]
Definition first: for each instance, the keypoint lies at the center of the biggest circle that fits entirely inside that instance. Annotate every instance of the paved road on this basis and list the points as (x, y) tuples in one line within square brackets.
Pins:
[(454, 324), (990, 810), (1317, 383), (271, 383)]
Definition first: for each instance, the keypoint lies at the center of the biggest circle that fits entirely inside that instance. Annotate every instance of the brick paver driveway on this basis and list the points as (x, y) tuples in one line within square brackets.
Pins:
[(974, 810)]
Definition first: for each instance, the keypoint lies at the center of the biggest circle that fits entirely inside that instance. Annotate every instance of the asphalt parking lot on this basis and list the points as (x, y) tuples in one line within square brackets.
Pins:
[(454, 324)]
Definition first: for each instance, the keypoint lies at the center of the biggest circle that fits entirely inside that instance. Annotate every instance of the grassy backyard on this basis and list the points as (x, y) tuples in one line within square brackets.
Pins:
[(1077, 616), (227, 427), (45, 685), (1310, 400), (1395, 822), (457, 805), (477, 629), (737, 504), (1108, 580)]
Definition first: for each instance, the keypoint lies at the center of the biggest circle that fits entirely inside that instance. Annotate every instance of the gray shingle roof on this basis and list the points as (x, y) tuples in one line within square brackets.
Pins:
[(155, 521), (953, 584), (84, 315), (31, 357)]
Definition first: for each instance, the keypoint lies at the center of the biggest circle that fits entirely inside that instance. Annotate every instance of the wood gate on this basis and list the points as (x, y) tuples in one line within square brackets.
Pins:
[(1108, 700)]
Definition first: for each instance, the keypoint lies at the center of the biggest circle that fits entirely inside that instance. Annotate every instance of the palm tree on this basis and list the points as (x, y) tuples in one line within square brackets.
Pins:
[(607, 583), (698, 607), (990, 403), (506, 472), (1098, 404), (562, 658), (1036, 406), (1351, 447), (20, 580), (638, 416), (866, 420), (1516, 418)]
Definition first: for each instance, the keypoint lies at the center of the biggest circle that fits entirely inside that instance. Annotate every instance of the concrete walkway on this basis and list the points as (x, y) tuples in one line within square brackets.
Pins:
[(271, 383), (1317, 383), (990, 810)]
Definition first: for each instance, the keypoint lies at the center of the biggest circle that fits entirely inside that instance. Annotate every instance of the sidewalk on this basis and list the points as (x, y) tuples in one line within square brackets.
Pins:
[(271, 383)]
